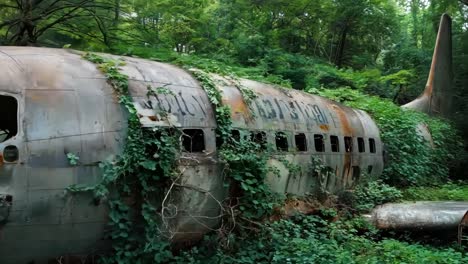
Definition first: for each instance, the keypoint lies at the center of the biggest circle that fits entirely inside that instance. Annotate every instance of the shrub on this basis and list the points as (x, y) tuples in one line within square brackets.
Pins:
[(372, 193), (446, 192)]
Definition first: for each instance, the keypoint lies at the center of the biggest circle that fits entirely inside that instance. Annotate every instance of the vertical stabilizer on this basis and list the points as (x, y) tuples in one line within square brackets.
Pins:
[(436, 100)]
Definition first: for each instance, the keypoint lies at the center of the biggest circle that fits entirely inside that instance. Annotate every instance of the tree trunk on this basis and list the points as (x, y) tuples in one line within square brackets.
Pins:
[(400, 89), (116, 12), (414, 16), (341, 46), (26, 33)]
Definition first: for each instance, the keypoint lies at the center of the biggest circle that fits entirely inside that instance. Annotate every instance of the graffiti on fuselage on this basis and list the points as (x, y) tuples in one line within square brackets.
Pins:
[(176, 103), (274, 108), (195, 105)]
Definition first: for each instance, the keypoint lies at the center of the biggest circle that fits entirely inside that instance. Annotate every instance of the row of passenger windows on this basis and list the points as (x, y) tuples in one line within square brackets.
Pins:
[(193, 140), (319, 143)]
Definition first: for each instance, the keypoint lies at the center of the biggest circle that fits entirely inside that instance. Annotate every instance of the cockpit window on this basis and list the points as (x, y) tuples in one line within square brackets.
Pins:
[(8, 117)]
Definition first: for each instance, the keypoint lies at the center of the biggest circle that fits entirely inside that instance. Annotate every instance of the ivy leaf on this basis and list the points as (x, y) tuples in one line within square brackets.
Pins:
[(244, 186), (149, 165)]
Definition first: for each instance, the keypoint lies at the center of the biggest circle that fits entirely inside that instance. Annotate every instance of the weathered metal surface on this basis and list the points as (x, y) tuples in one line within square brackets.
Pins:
[(65, 105), (463, 230), (292, 112), (438, 94), (418, 215), (59, 112)]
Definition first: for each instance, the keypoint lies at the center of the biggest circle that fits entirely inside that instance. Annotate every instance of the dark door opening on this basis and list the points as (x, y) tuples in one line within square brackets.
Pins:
[(8, 117)]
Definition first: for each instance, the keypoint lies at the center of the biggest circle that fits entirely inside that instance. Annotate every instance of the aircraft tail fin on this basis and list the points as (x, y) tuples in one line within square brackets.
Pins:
[(436, 100)]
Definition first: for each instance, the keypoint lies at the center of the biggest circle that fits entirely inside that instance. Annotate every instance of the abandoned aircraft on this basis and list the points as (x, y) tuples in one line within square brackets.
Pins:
[(53, 102)]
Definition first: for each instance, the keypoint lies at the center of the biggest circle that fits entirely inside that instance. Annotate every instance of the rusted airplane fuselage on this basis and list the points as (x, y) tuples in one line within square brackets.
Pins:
[(64, 105)]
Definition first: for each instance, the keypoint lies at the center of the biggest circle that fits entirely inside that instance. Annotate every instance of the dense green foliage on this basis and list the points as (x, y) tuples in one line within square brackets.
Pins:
[(313, 239), (447, 192), (367, 195)]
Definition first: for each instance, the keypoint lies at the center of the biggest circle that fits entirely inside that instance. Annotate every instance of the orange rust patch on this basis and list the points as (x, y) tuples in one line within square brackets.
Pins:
[(347, 129), (153, 118), (238, 106), (324, 127)]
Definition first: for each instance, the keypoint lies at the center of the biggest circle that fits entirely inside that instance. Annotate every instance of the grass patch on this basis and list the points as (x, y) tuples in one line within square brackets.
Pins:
[(447, 192)]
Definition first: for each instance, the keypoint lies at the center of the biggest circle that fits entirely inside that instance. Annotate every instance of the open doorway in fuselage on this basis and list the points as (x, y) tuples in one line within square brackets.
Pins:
[(8, 117)]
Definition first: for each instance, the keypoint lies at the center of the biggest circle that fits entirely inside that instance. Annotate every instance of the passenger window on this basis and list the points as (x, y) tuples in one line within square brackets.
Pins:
[(193, 140), (372, 145), (348, 141), (361, 146), (301, 142), (335, 144), (8, 117), (319, 144), (281, 141), (259, 138)]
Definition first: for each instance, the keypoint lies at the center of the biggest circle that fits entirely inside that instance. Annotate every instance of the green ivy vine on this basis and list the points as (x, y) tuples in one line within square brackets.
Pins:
[(245, 160), (135, 180)]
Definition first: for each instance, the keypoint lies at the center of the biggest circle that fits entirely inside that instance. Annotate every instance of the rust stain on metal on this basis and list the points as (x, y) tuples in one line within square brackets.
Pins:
[(324, 127), (1, 159), (347, 130), (238, 106), (346, 127), (233, 97)]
